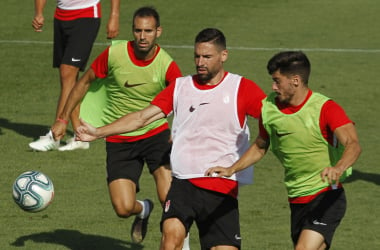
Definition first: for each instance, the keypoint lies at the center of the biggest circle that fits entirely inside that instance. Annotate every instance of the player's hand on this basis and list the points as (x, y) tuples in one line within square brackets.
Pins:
[(38, 23), (219, 172), (59, 130), (113, 27), (331, 175), (85, 132)]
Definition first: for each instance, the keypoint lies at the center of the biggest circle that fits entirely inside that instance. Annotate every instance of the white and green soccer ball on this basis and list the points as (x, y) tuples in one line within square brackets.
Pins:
[(33, 191)]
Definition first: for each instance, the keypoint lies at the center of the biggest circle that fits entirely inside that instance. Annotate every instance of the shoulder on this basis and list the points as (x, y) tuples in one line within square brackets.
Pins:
[(249, 87)]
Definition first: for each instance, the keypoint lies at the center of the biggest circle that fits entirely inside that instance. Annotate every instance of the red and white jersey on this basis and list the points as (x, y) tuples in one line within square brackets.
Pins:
[(76, 4), (206, 129), (68, 10)]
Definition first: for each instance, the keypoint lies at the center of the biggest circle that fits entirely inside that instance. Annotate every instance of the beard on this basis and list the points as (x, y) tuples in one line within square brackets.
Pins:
[(204, 77)]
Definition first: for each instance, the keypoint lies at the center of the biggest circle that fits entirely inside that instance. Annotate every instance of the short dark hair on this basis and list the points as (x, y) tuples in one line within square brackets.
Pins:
[(211, 35), (147, 11), (290, 63)]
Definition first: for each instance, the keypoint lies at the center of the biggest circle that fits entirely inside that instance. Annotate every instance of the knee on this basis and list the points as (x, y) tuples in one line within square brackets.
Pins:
[(173, 234), (123, 211)]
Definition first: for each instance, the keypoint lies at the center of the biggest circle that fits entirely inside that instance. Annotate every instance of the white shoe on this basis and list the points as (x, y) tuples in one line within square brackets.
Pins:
[(72, 144), (45, 143)]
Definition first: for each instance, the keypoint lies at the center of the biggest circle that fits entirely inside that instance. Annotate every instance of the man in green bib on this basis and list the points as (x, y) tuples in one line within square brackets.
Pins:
[(315, 142), (124, 78)]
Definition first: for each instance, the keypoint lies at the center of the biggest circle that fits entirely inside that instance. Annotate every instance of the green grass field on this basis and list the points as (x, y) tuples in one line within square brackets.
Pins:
[(340, 37)]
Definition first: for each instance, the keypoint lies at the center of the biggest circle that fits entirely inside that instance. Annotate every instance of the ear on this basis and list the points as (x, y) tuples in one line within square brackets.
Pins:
[(296, 80), (159, 31), (224, 55)]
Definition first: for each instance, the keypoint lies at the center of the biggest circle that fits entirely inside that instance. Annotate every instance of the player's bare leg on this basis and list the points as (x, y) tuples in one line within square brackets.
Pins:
[(310, 240), (123, 198), (162, 177), (68, 78), (173, 234)]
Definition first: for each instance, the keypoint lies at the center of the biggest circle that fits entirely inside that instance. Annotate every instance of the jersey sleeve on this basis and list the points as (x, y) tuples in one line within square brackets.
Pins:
[(333, 116), (172, 73), (250, 98), (100, 64), (164, 99)]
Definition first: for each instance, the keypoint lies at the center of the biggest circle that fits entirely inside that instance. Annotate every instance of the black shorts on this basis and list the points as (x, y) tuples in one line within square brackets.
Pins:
[(73, 41), (323, 215), (126, 160), (216, 214)]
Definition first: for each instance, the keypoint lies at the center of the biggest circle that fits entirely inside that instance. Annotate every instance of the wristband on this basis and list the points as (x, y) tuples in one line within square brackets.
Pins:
[(62, 121)]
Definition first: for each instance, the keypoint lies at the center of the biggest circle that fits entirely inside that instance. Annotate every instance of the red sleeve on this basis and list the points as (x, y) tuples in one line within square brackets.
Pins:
[(164, 99), (249, 99), (100, 64), (172, 73), (332, 117), (262, 131)]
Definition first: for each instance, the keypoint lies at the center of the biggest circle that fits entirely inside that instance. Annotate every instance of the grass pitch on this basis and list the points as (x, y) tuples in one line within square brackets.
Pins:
[(341, 39)]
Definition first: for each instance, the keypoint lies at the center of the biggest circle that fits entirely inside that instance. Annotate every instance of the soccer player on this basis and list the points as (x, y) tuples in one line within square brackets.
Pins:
[(209, 128), (316, 143), (76, 25), (132, 74)]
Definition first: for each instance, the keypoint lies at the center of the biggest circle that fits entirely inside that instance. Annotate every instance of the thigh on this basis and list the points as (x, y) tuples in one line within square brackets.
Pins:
[(177, 204), (79, 37), (322, 215), (156, 150), (123, 162), (218, 220), (123, 194)]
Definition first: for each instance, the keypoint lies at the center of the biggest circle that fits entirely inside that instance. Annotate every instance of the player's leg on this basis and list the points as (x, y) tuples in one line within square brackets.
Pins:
[(81, 34), (124, 169), (310, 239), (314, 223), (173, 234), (156, 152), (218, 221), (178, 214), (123, 197), (162, 177)]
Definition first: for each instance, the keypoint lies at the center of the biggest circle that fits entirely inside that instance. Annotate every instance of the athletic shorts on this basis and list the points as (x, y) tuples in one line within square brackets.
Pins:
[(126, 160), (73, 41), (323, 215), (216, 214)]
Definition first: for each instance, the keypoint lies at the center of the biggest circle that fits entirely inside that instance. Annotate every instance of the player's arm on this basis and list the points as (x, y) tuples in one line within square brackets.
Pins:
[(348, 137), (113, 20), (127, 123), (38, 20), (254, 154), (76, 95)]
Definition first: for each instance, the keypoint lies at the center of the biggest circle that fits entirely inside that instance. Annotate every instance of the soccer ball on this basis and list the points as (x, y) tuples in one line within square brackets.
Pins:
[(33, 191)]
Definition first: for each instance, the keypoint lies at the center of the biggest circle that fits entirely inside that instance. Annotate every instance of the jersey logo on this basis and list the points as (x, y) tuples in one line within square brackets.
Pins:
[(167, 206), (75, 59), (281, 134), (191, 109), (127, 85)]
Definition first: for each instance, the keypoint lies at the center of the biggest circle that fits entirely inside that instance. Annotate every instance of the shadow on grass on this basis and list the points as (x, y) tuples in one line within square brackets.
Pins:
[(76, 240), (369, 177), (28, 130)]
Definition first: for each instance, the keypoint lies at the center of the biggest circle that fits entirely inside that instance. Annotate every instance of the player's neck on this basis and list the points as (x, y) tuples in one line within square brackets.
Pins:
[(299, 97)]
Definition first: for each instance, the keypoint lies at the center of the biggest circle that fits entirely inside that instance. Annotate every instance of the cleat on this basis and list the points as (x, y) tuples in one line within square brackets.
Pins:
[(45, 143), (140, 226), (72, 144)]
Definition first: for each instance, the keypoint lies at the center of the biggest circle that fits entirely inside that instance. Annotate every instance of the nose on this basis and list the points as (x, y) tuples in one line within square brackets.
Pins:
[(199, 61), (274, 86)]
